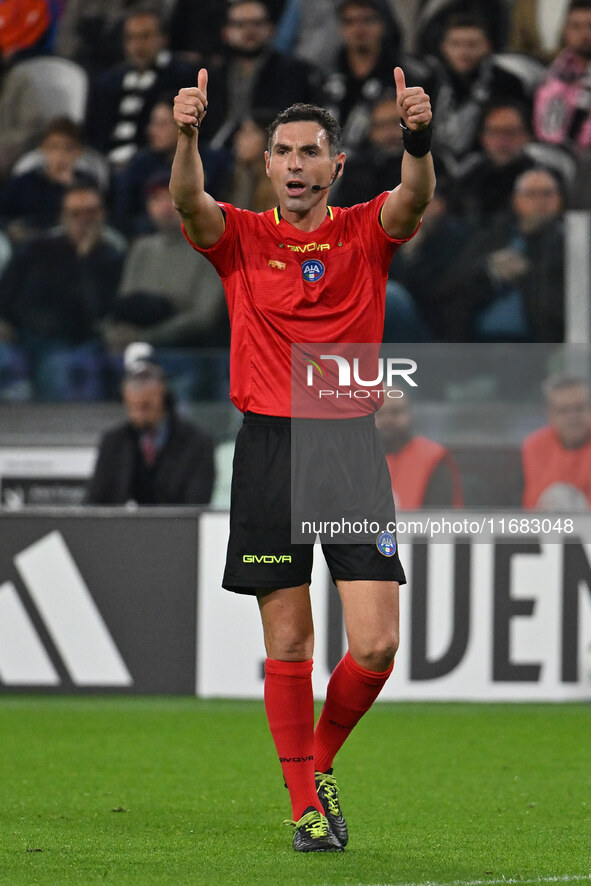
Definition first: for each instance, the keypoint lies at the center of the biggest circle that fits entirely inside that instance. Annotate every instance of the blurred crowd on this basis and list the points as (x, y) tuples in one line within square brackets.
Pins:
[(91, 252)]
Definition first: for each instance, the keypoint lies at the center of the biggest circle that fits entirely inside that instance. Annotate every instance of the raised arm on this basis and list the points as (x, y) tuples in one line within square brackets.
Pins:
[(202, 217), (404, 207)]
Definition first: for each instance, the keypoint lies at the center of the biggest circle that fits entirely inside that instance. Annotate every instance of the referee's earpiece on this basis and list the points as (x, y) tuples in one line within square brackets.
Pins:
[(332, 181)]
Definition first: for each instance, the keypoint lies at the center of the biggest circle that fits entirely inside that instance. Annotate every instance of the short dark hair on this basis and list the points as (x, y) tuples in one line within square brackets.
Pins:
[(465, 20), (374, 5), (301, 111), (63, 126), (578, 4)]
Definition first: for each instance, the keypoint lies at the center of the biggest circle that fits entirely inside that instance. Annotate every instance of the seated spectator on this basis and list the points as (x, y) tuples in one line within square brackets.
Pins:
[(129, 213), (509, 283), (438, 245), (562, 114), (31, 202), (468, 77), (375, 165), (90, 31), (422, 22), (484, 182), (557, 457), (248, 185), (155, 457), (169, 296), (121, 98), (363, 70), (252, 76), (423, 472), (537, 27), (54, 292)]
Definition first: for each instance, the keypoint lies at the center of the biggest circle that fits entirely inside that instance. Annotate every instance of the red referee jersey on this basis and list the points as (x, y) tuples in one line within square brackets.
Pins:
[(287, 286)]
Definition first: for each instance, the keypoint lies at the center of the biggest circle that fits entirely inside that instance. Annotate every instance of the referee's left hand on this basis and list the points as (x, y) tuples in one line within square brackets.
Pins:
[(413, 102)]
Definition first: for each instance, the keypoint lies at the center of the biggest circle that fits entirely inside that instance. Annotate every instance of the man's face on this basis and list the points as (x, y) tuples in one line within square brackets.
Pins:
[(464, 48), (143, 40), (144, 402), (161, 210), (385, 131), (82, 215), (393, 421), (577, 32), (300, 158), (248, 28), (569, 412), (162, 130), (504, 135), (536, 199), (61, 152), (362, 29)]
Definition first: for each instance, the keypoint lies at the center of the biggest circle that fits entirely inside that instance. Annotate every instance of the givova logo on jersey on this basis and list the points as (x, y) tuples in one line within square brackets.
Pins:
[(312, 270)]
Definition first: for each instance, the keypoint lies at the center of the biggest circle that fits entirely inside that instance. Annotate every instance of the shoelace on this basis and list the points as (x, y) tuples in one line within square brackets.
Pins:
[(315, 824), (329, 783)]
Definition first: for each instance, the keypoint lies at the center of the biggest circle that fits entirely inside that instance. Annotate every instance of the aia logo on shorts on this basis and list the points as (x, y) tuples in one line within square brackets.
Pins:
[(386, 544), (312, 270)]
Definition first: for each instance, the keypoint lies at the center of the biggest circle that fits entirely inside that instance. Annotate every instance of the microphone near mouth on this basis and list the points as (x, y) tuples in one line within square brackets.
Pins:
[(331, 183)]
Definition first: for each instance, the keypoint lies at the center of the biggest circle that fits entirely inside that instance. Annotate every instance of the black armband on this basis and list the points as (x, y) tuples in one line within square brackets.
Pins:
[(417, 141)]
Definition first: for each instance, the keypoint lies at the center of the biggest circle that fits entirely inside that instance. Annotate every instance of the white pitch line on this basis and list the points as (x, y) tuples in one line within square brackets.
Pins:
[(503, 881)]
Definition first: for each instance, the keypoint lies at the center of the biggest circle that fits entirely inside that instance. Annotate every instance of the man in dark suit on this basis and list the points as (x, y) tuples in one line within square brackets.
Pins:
[(121, 98), (156, 457)]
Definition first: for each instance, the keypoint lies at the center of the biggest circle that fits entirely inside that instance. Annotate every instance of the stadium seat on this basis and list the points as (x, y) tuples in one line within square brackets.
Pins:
[(61, 86)]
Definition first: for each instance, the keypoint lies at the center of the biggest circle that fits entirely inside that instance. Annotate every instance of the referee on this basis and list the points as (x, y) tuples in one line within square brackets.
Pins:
[(273, 300)]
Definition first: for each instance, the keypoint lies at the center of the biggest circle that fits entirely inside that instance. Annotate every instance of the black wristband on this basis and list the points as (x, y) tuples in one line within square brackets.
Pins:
[(417, 141)]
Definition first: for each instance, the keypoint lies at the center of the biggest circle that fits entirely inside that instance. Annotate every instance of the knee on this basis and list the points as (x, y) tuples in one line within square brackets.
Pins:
[(377, 655), (289, 645)]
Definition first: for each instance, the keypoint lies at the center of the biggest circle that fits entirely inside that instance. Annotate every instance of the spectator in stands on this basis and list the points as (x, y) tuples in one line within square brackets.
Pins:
[(509, 283), (557, 457), (155, 457), (562, 111), (537, 26), (129, 213), (438, 245), (166, 298), (121, 98), (422, 22), (423, 472), (90, 31), (252, 76), (248, 185), (197, 28), (31, 203), (375, 165), (363, 69), (54, 292), (486, 178), (468, 77)]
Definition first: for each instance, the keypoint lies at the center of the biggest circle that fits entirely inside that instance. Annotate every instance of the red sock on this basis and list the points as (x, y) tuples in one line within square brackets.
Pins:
[(351, 692), (290, 710)]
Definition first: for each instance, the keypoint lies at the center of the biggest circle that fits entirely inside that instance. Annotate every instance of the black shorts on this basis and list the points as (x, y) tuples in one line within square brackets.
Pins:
[(261, 555)]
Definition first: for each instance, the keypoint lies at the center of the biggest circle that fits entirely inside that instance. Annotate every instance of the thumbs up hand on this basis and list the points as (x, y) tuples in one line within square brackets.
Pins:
[(413, 102), (190, 105)]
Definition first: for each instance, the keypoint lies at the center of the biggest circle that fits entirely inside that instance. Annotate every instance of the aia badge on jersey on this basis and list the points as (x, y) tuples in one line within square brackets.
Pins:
[(386, 544), (312, 270)]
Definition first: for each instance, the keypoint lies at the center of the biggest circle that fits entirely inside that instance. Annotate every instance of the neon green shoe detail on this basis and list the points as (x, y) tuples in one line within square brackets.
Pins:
[(328, 794), (312, 833)]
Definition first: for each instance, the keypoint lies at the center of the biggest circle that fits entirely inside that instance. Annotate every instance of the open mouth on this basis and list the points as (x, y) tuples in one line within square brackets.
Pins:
[(295, 187)]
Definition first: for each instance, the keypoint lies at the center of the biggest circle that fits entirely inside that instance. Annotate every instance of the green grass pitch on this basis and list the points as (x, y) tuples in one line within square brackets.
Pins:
[(181, 791)]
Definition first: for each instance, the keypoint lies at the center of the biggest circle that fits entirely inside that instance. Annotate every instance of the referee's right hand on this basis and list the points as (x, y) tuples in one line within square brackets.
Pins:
[(190, 105)]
